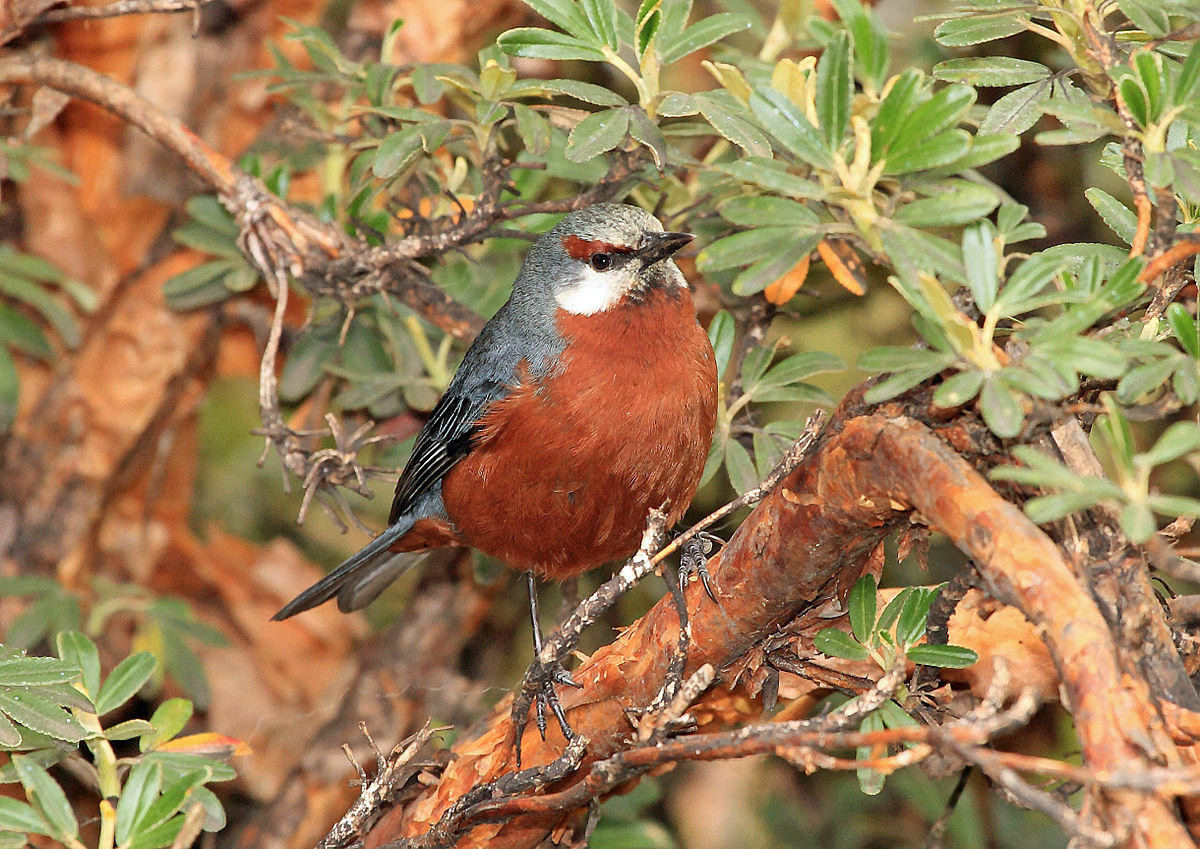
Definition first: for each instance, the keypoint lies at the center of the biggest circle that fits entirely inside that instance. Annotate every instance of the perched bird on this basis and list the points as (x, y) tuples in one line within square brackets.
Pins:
[(588, 399)]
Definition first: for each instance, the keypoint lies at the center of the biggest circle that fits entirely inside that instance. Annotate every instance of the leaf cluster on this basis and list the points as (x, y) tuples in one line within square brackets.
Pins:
[(48, 706)]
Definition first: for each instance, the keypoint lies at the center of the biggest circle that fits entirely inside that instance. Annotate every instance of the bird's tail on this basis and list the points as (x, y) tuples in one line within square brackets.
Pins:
[(360, 578)]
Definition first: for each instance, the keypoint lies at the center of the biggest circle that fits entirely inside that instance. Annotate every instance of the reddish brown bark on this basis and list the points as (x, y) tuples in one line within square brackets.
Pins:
[(817, 528)]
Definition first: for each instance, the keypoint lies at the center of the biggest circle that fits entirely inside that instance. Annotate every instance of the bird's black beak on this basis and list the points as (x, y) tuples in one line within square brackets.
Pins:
[(659, 246)]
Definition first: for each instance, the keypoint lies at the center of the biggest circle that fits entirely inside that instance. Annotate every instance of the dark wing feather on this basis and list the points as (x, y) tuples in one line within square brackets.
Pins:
[(446, 438)]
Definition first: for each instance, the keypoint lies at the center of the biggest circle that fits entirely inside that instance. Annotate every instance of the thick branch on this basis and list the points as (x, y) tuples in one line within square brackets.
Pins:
[(819, 526)]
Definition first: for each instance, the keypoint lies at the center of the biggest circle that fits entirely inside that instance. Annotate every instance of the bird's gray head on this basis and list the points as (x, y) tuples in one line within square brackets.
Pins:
[(596, 257)]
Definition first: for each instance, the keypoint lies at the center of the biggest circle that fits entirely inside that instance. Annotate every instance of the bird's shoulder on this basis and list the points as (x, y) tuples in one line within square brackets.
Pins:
[(511, 347)]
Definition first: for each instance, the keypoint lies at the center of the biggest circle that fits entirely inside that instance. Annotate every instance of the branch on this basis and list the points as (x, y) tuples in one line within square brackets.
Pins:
[(812, 533)]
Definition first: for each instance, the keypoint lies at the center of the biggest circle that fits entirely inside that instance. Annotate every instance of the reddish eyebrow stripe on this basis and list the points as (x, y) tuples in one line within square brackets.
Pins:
[(578, 248)]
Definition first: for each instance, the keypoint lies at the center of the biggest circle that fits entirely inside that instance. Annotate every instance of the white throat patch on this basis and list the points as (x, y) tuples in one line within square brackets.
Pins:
[(595, 291)]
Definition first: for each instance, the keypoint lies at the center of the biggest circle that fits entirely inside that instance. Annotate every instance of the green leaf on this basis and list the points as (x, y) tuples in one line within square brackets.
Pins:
[(204, 238), (787, 123), (835, 86), (941, 149), (538, 43), (10, 390), (1001, 409), (862, 606), (990, 71), (961, 203), (1149, 68), (168, 719), (174, 796), (198, 287), (777, 261), (947, 657), (732, 126), (742, 248), (1031, 277), (1119, 218), (870, 781), (1186, 328), (772, 175), (799, 366), (901, 382), (959, 389), (128, 730), (602, 20), (676, 104), (596, 134), (722, 331), (139, 792), (1135, 100), (533, 129), (895, 110), (306, 363), (834, 643), (870, 40), (36, 671), (31, 709), (981, 263), (396, 152), (78, 650), (964, 32), (46, 797), (587, 92), (129, 676), (1177, 440), (17, 331), (1018, 110), (36, 296), (892, 612), (943, 111), (1137, 521), (740, 467), (910, 626), (1150, 17), (159, 837), (1049, 508), (19, 817), (646, 132), (10, 736), (1144, 379), (564, 14), (894, 358), (647, 23), (767, 211), (701, 34), (1189, 75)]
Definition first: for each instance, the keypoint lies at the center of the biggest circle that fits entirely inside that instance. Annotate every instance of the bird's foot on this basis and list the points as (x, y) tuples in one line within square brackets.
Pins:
[(693, 559), (537, 689)]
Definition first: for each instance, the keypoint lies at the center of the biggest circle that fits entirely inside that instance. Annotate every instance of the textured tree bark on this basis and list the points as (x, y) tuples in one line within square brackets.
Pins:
[(808, 537)]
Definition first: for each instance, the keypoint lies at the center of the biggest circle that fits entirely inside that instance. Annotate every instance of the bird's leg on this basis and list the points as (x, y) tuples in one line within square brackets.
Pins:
[(674, 678), (693, 557), (538, 685)]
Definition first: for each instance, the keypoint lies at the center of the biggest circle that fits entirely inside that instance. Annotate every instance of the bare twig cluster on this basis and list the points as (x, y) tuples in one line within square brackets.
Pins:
[(286, 243)]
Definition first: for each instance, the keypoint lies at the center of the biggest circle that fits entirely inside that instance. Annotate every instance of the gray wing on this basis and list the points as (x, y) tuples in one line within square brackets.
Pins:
[(446, 438)]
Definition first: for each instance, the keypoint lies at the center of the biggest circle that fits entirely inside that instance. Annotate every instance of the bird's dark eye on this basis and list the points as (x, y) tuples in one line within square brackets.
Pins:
[(601, 261)]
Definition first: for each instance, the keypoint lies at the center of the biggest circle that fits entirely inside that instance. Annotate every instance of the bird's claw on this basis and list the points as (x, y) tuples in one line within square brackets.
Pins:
[(538, 688), (693, 558)]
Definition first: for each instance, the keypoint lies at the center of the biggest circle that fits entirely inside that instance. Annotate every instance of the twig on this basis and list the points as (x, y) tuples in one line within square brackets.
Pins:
[(1188, 245), (786, 465), (455, 821), (391, 773), (120, 8)]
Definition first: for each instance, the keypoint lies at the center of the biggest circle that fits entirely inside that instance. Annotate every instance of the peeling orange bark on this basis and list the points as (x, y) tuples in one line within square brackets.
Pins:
[(812, 534)]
